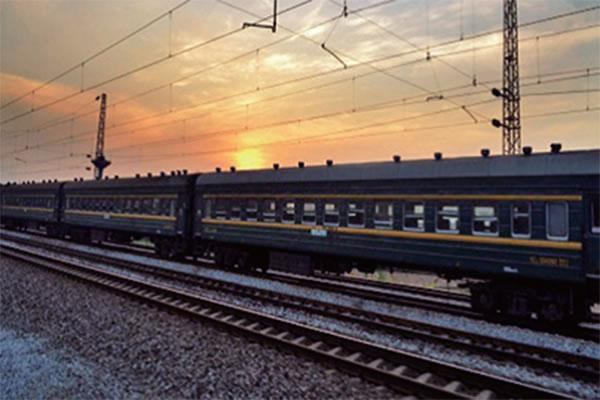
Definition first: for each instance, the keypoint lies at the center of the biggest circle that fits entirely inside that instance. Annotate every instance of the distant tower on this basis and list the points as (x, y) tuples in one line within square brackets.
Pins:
[(99, 161), (511, 96)]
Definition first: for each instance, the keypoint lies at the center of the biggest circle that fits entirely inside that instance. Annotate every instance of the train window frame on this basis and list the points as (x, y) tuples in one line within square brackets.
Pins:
[(327, 213), (251, 210), (285, 212), (359, 207), (311, 214), (269, 214), (221, 208), (439, 211), (595, 215), (235, 211), (513, 216), (419, 216), (476, 218), (380, 223), (566, 214), (207, 209)]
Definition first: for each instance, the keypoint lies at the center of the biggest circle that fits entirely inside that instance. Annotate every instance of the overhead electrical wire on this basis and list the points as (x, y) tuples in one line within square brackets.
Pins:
[(411, 100), (97, 54), (145, 66), (525, 24), (320, 74)]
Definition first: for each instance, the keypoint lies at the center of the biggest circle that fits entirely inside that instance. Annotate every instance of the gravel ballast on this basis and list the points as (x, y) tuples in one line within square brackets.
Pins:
[(92, 335)]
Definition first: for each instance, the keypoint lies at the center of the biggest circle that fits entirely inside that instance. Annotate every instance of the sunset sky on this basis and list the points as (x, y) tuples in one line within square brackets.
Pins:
[(180, 100)]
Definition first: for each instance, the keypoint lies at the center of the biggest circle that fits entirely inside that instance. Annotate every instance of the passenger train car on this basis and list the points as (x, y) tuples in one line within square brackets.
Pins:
[(524, 229)]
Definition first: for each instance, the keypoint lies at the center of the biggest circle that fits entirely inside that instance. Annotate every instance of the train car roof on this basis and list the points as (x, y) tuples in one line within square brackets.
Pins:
[(142, 182), (584, 162), (30, 187)]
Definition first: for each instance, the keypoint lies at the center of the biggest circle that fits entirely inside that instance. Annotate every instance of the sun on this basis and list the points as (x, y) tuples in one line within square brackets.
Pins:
[(248, 159)]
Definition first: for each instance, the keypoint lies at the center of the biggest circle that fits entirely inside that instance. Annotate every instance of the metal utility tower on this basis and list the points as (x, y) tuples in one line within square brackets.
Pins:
[(100, 162), (511, 97)]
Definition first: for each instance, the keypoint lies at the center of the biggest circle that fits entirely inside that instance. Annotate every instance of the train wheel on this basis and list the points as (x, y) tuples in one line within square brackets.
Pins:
[(552, 312), (483, 299)]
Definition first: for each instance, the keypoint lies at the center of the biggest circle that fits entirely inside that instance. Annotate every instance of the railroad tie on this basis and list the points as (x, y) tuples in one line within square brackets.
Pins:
[(267, 330), (316, 345), (453, 386), (375, 363), (299, 340), (424, 378), (485, 395), (399, 370), (334, 351), (354, 357)]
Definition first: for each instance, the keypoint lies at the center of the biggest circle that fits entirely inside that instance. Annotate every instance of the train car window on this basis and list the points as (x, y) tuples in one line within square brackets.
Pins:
[(135, 207), (384, 215), (208, 208), (156, 206), (595, 214), (289, 212), (172, 207), (521, 220), (447, 219), (221, 209), (309, 215), (557, 221), (414, 217), (332, 214), (356, 215), (236, 210), (269, 209), (251, 210), (147, 206), (485, 221)]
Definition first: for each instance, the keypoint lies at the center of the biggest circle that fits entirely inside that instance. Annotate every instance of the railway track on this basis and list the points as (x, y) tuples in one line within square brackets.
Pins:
[(540, 358), (404, 372), (426, 299)]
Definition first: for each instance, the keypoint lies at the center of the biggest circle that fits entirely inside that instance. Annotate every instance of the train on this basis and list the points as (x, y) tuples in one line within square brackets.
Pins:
[(522, 230)]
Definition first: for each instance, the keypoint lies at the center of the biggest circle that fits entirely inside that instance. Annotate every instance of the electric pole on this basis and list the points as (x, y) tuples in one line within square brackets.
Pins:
[(100, 162), (510, 93)]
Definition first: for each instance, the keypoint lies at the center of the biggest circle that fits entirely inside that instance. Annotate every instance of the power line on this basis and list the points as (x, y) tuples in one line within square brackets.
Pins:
[(320, 74), (373, 107), (97, 54), (144, 67)]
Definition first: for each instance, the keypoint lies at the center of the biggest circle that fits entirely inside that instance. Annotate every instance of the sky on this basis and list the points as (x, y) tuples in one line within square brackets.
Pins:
[(188, 89)]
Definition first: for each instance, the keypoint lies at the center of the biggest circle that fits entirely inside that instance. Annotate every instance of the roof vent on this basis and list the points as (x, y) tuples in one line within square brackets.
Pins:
[(185, 171), (485, 153), (162, 174), (55, 180), (172, 173), (137, 175), (116, 176), (149, 174), (555, 148), (300, 164), (329, 163), (437, 156), (527, 150), (396, 158), (218, 170), (275, 166), (232, 168), (106, 177)]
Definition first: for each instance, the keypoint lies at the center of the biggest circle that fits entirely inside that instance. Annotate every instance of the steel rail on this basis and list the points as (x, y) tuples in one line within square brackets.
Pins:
[(400, 371), (578, 366)]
